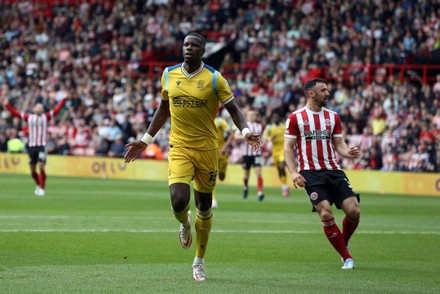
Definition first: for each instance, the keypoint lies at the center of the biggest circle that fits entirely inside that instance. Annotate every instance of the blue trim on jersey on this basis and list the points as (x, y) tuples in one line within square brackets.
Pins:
[(211, 69), (214, 82), (174, 67), (165, 73)]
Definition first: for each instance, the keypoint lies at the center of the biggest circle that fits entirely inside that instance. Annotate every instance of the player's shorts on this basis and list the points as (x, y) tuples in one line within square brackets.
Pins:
[(223, 160), (330, 185), (37, 154), (249, 161), (278, 157), (185, 165)]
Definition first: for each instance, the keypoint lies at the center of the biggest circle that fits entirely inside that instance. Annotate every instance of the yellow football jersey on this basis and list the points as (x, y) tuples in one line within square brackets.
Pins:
[(275, 133), (222, 127), (194, 101)]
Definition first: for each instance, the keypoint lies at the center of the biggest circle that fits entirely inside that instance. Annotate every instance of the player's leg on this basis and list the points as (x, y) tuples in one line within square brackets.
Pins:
[(281, 167), (180, 174), (331, 229), (204, 183), (246, 169), (352, 211), (42, 155), (33, 159), (222, 166), (348, 201), (203, 226), (257, 166)]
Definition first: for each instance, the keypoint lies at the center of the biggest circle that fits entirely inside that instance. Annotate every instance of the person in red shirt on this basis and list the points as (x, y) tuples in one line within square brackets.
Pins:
[(316, 133), (37, 123)]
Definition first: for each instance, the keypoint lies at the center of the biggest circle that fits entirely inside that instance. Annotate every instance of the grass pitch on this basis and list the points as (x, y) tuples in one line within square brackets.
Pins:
[(114, 236)]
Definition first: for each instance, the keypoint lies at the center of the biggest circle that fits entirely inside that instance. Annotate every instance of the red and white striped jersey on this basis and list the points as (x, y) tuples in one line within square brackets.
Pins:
[(314, 132), (37, 127), (37, 124), (246, 149)]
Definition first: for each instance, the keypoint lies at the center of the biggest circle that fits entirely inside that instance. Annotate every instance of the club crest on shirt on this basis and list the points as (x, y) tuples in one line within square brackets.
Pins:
[(313, 196), (328, 122), (200, 84), (306, 123)]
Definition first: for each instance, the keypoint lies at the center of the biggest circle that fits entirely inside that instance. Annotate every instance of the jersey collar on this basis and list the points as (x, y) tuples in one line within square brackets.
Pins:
[(190, 76)]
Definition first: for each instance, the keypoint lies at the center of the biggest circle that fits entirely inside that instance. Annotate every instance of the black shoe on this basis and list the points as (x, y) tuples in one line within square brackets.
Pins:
[(260, 197), (245, 193)]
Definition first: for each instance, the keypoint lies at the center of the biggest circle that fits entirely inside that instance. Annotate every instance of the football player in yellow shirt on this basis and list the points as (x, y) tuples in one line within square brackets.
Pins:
[(274, 132), (191, 94), (225, 137)]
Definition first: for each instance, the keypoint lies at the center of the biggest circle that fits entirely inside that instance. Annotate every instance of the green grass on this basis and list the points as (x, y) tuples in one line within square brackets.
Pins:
[(114, 236)]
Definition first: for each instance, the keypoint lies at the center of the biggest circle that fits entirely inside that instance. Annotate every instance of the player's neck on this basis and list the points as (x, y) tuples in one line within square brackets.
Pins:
[(191, 67), (313, 107)]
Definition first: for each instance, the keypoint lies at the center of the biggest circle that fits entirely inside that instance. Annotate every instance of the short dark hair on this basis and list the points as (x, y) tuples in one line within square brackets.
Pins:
[(311, 83), (198, 35)]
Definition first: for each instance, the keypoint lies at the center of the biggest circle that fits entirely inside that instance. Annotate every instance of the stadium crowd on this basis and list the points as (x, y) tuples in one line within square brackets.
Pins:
[(50, 50)]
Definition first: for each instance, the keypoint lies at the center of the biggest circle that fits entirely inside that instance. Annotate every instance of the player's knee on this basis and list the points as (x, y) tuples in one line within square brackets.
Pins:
[(325, 214), (178, 201), (354, 212)]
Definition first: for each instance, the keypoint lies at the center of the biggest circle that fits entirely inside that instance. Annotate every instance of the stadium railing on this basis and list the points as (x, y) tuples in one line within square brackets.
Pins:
[(424, 74)]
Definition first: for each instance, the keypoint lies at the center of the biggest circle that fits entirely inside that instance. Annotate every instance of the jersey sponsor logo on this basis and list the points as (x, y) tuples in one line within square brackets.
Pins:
[(317, 135), (189, 102), (313, 196)]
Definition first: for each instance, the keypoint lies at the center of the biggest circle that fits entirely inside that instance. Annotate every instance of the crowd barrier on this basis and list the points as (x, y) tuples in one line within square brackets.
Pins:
[(406, 183)]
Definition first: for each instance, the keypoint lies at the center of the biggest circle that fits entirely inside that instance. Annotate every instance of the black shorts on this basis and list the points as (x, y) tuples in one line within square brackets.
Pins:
[(330, 185), (253, 160), (37, 154)]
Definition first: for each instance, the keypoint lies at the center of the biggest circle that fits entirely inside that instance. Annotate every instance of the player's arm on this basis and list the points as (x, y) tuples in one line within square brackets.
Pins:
[(239, 120), (343, 149), (57, 108), (12, 110), (289, 155), (160, 117)]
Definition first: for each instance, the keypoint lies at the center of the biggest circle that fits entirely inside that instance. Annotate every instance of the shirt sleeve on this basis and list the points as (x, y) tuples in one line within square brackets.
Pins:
[(164, 83), (337, 131), (224, 92), (292, 129)]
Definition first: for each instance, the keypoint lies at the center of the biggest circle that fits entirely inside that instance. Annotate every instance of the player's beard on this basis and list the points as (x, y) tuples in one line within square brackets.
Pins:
[(322, 103)]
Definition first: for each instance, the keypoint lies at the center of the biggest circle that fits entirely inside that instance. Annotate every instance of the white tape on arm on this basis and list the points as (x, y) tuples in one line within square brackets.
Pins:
[(245, 131), (147, 138)]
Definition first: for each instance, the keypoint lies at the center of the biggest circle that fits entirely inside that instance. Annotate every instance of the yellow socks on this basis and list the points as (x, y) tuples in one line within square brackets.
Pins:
[(203, 229)]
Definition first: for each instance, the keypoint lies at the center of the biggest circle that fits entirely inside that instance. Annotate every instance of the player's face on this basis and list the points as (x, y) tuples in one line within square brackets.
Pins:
[(38, 109), (320, 94), (193, 49)]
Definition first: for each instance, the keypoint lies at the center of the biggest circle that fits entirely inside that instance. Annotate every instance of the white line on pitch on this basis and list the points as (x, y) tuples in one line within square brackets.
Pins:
[(214, 231)]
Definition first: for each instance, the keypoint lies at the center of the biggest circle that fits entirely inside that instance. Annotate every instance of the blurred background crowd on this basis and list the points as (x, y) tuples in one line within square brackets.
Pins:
[(55, 49)]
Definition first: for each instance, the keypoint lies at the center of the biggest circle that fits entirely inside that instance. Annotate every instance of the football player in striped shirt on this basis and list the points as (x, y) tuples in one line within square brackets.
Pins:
[(316, 133), (37, 123)]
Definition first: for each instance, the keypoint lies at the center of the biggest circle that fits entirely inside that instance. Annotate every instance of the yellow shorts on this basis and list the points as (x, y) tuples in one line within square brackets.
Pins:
[(278, 157), (222, 163), (185, 165)]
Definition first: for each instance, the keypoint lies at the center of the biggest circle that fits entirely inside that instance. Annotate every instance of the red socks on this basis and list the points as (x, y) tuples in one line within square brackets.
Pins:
[(349, 225), (35, 177), (42, 179), (334, 235), (260, 184)]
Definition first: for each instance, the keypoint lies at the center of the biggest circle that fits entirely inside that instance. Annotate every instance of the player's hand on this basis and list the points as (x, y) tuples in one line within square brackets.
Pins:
[(354, 152), (254, 140), (134, 149), (298, 180)]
